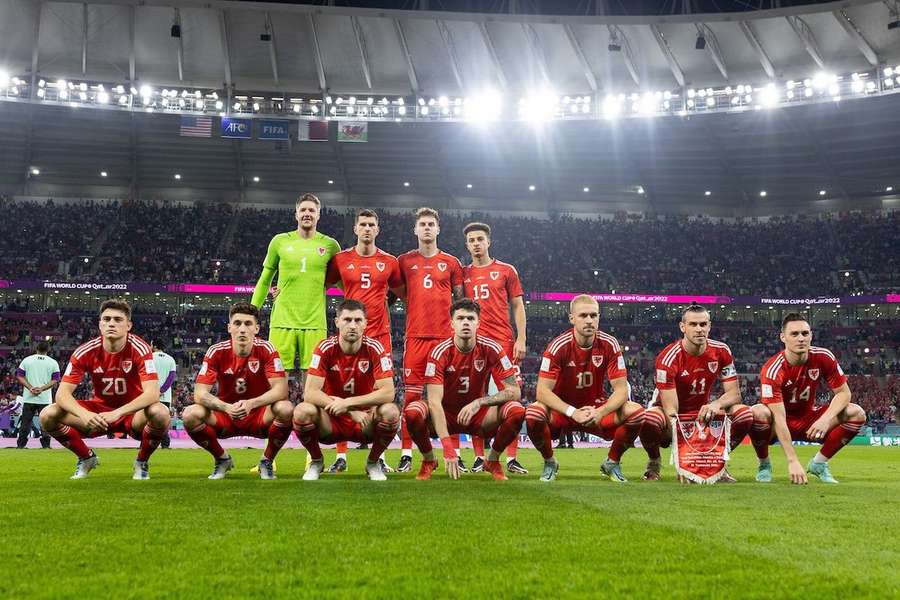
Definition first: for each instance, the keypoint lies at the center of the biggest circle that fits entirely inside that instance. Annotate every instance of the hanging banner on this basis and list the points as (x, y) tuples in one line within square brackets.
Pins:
[(273, 129), (239, 129), (353, 131)]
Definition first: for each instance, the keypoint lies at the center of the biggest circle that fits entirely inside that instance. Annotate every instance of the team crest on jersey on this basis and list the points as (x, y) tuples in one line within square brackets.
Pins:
[(321, 251), (713, 365), (597, 360), (126, 366), (407, 372), (253, 365), (442, 267), (479, 364), (813, 374), (363, 366), (495, 275), (380, 266)]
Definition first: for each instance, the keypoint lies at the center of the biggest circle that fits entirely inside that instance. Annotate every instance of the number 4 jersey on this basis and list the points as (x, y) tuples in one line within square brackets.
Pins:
[(240, 377), (117, 377), (795, 385), (348, 375)]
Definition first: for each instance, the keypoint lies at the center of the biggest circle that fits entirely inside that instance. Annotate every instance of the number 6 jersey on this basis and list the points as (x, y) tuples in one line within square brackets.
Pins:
[(240, 377), (117, 378)]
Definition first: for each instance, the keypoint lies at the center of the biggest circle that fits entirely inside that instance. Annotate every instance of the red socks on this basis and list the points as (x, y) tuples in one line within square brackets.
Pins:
[(625, 435), (150, 440), (411, 394), (741, 423), (839, 437), (340, 447), (652, 430), (308, 434), (416, 416), (478, 446), (71, 438), (539, 430), (278, 434), (384, 433), (761, 437), (205, 437), (512, 414)]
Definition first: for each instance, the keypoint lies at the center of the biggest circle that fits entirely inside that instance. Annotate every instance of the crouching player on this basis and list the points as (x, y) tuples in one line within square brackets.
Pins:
[(126, 394), (571, 394), (789, 382), (251, 398), (349, 394), (456, 377), (686, 371)]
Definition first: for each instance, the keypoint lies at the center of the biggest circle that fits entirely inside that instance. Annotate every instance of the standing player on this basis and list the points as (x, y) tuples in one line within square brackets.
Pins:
[(571, 394), (38, 374), (789, 382), (495, 286), (433, 280), (457, 376), (349, 394), (686, 372), (367, 274), (252, 395), (165, 371), (301, 258), (126, 393)]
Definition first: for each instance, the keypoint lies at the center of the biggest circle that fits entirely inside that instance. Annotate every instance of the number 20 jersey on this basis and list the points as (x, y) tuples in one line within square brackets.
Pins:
[(117, 377)]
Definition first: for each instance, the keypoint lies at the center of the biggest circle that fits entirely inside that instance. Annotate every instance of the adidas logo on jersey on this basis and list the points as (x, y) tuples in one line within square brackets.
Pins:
[(415, 267), (571, 363), (228, 371), (451, 369), (98, 370), (335, 368), (350, 267), (685, 373)]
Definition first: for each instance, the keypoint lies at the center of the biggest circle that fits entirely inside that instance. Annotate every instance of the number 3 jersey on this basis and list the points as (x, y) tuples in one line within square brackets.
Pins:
[(240, 377), (693, 377), (796, 385), (348, 375), (117, 377), (465, 375), (581, 372)]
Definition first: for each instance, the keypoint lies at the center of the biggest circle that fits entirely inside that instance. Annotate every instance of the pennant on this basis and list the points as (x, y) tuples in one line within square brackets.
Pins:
[(700, 450)]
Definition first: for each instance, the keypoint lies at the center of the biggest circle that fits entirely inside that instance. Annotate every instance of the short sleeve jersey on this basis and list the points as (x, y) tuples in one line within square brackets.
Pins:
[(368, 279), (796, 385), (465, 375), (693, 377), (117, 377), (580, 373), (301, 265), (165, 365), (349, 375), (240, 377), (429, 292), (493, 286), (38, 370)]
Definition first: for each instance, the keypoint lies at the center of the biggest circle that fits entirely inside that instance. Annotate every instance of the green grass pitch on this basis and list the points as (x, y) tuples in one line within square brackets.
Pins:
[(181, 536)]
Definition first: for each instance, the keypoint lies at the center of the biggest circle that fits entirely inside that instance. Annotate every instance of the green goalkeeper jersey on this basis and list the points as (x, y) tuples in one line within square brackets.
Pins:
[(301, 266)]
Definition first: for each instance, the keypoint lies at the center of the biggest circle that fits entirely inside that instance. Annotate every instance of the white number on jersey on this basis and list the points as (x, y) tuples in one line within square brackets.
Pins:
[(585, 380), (240, 385), (702, 390), (463, 385), (481, 292), (366, 281), (427, 283), (804, 395), (114, 386), (350, 386), (303, 265)]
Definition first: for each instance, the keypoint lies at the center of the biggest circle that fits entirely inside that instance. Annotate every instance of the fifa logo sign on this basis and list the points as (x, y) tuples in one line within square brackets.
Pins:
[(274, 130)]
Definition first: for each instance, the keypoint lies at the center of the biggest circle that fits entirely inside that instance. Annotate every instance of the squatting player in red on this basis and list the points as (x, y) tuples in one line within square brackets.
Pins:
[(251, 398), (349, 394), (686, 371), (368, 274), (571, 394), (789, 382), (457, 376), (433, 279), (495, 286), (126, 393)]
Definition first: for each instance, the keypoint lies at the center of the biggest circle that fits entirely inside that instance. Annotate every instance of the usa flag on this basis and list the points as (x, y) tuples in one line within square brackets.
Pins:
[(196, 126)]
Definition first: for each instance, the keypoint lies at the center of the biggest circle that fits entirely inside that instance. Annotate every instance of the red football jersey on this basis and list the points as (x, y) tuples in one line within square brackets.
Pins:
[(580, 372), (349, 375), (692, 377), (116, 377), (368, 279), (493, 286), (429, 292), (465, 375), (240, 377), (795, 385)]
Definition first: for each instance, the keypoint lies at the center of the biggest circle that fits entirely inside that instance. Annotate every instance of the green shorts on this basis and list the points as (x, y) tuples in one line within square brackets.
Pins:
[(296, 344)]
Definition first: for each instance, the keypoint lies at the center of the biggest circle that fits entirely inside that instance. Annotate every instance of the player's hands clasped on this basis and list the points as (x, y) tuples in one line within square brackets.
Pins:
[(584, 416), (362, 417), (468, 412), (708, 412), (95, 421), (797, 472), (337, 407), (238, 410)]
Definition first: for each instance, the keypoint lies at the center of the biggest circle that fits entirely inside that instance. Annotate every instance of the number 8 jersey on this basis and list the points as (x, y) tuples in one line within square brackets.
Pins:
[(240, 377), (117, 377), (580, 372)]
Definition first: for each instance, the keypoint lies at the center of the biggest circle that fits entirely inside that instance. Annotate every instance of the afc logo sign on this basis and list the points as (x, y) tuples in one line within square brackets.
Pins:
[(236, 128)]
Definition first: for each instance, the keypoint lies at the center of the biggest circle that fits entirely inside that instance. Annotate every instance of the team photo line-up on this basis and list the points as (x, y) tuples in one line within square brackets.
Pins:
[(464, 339)]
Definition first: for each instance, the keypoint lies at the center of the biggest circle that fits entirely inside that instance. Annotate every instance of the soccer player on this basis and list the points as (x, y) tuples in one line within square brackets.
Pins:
[(367, 274), (457, 376), (38, 374), (686, 371), (433, 280), (165, 371), (301, 258), (789, 382), (495, 286), (571, 394), (349, 394), (252, 394), (126, 393)]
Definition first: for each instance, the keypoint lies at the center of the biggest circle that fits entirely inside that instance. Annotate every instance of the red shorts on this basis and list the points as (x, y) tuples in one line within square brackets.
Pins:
[(798, 424), (253, 425), (474, 426), (121, 425), (345, 429), (605, 429), (415, 356)]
